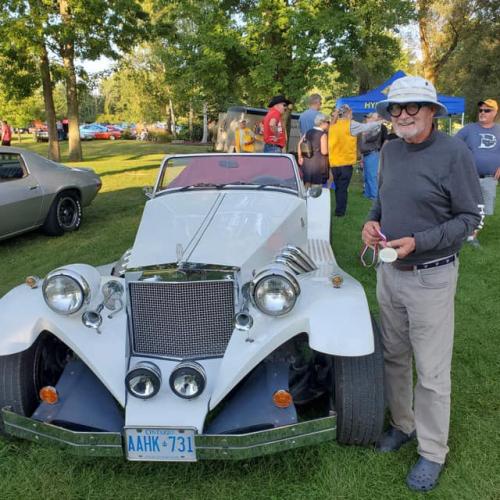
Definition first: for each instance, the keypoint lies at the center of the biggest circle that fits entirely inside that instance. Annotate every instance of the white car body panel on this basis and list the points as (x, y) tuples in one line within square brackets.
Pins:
[(104, 354), (237, 228)]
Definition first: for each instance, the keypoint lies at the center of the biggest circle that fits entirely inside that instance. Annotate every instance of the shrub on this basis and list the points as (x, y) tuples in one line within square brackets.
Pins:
[(159, 136)]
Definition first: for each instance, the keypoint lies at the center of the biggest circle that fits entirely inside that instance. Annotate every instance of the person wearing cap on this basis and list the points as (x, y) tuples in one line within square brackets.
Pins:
[(244, 138), (483, 139), (427, 204), (306, 119), (343, 152), (274, 129)]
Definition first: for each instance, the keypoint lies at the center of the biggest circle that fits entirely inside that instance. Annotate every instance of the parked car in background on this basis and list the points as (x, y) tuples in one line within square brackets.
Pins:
[(100, 132), (42, 135), (36, 192), (227, 331), (86, 133)]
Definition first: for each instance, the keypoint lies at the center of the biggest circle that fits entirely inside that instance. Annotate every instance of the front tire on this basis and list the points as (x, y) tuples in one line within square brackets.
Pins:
[(65, 214), (23, 374), (358, 386)]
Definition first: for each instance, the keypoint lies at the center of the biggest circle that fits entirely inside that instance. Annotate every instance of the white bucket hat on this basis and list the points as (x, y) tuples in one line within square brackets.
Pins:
[(411, 89)]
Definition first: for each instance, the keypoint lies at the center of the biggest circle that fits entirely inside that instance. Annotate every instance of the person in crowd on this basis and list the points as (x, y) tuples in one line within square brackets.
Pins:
[(427, 204), (6, 133), (60, 130), (483, 139), (342, 151), (306, 119), (274, 128), (244, 138), (315, 168), (370, 144)]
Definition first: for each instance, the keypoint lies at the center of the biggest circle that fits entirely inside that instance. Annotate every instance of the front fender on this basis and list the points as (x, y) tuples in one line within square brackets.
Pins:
[(337, 321), (24, 315)]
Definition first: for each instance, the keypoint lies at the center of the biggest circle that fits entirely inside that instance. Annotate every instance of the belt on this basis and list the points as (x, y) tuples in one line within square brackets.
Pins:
[(426, 265)]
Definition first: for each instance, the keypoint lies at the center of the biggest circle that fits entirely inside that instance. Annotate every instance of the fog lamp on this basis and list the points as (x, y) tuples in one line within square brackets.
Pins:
[(188, 380), (144, 380)]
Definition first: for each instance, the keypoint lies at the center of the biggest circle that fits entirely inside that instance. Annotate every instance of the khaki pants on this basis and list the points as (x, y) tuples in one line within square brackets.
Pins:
[(417, 318)]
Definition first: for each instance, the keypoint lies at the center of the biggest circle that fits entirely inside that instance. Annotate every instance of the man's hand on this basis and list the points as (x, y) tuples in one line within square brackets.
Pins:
[(371, 233), (497, 174), (403, 246)]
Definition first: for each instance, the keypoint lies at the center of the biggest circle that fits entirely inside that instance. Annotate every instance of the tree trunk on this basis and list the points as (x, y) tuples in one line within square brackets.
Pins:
[(204, 139), (190, 121), (68, 57), (48, 98), (424, 7), (172, 119)]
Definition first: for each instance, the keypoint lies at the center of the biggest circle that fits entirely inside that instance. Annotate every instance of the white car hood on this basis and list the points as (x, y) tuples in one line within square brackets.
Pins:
[(230, 228)]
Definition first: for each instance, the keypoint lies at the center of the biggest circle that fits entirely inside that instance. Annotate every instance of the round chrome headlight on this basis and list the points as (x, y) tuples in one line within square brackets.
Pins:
[(275, 292), (65, 291), (144, 380), (188, 380)]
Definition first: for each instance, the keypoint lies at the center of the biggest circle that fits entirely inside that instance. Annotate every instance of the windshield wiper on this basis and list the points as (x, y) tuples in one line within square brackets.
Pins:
[(202, 185)]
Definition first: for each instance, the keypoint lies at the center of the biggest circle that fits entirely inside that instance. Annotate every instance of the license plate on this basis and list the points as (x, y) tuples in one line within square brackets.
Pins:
[(164, 445)]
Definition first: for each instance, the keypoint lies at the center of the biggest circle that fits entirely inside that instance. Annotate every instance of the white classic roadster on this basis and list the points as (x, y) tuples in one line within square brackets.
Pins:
[(227, 330)]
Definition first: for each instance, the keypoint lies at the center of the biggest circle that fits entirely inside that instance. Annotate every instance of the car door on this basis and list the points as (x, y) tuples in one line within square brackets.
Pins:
[(20, 195)]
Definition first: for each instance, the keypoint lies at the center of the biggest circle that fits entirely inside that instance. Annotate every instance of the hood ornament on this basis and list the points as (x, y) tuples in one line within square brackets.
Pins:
[(179, 250)]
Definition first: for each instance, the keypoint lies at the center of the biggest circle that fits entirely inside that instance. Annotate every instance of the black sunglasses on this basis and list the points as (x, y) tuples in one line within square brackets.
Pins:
[(411, 108), (485, 110)]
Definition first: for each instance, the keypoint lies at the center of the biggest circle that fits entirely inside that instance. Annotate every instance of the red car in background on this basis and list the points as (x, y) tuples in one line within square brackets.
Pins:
[(107, 132)]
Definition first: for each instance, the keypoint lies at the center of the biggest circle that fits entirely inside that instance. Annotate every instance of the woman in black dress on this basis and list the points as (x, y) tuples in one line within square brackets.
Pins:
[(315, 168)]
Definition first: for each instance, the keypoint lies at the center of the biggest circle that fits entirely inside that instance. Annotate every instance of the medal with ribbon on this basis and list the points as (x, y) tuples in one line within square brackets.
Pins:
[(384, 254)]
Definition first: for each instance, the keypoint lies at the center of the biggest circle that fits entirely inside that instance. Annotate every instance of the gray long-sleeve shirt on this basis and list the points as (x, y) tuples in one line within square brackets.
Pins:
[(429, 191)]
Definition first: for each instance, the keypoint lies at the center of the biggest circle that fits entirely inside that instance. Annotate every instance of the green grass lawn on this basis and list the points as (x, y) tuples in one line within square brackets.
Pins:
[(322, 472)]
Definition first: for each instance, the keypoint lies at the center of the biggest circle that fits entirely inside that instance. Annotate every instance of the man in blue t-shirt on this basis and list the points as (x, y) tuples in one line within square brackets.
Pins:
[(483, 139), (306, 120)]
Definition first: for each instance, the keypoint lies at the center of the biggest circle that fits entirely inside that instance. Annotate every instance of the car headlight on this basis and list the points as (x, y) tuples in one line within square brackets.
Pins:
[(188, 380), (65, 291), (144, 380), (275, 291)]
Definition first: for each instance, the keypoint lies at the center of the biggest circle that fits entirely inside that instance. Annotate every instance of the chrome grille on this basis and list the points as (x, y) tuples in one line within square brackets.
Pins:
[(182, 320)]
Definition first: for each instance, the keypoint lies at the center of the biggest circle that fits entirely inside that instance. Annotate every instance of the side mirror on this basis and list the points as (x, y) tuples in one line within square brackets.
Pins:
[(314, 192), (148, 191)]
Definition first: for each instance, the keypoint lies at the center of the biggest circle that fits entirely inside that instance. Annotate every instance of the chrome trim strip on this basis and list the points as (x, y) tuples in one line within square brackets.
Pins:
[(309, 262), (208, 446)]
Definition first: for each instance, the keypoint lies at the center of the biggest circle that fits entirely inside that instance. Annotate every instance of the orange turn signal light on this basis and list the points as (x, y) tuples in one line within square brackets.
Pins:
[(282, 399), (48, 394)]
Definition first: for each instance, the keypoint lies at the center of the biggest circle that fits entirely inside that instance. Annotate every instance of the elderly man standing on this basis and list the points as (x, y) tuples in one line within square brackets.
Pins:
[(306, 120), (274, 128), (483, 139), (427, 205)]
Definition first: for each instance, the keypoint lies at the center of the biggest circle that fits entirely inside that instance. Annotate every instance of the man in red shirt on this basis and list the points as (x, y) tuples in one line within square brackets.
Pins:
[(274, 129), (6, 133)]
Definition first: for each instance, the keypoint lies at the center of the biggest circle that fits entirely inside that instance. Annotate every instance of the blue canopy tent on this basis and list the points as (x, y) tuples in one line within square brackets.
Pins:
[(365, 103)]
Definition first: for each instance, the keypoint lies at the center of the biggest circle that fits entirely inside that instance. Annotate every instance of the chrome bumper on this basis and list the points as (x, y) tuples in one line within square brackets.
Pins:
[(208, 446)]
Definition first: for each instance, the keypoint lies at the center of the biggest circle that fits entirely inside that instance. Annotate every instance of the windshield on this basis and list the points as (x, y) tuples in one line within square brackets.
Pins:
[(221, 171)]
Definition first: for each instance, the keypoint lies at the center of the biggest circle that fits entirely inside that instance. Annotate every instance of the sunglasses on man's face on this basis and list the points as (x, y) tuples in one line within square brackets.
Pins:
[(485, 110), (412, 108)]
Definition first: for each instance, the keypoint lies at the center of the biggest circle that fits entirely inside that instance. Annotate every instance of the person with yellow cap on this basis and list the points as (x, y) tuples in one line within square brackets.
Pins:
[(483, 140)]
